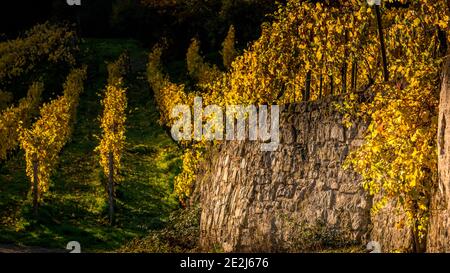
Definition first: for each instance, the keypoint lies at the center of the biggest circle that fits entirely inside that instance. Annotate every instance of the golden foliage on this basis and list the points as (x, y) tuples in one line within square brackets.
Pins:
[(184, 181), (335, 49), (114, 116), (398, 160), (229, 52), (197, 67), (119, 69), (15, 115), (43, 142), (167, 94), (73, 87), (43, 43)]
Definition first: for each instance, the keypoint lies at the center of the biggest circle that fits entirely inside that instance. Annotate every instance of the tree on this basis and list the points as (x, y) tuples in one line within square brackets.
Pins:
[(113, 129), (229, 52), (45, 139), (13, 116)]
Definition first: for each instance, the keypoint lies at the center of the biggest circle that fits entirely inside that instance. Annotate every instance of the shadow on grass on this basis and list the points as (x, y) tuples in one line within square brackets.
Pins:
[(75, 208)]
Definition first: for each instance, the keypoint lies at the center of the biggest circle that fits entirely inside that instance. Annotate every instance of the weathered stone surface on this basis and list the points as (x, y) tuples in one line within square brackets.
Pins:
[(253, 200), (391, 230), (439, 230)]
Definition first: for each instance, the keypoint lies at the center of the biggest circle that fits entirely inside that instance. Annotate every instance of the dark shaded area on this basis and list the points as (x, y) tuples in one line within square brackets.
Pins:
[(17, 16), (145, 20)]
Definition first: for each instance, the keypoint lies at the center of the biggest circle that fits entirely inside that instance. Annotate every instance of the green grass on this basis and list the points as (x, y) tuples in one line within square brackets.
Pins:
[(75, 208)]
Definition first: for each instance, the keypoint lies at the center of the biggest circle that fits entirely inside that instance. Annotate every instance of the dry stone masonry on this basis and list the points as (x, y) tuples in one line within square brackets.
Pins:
[(261, 201)]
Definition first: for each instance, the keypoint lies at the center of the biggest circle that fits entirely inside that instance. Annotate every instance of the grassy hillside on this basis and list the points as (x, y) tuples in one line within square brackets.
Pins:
[(75, 209)]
